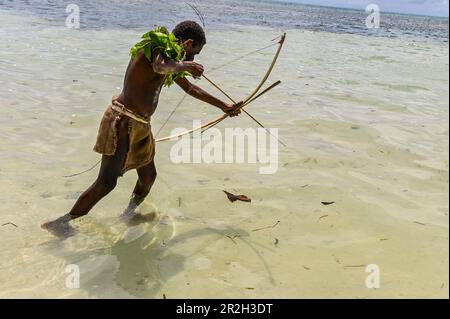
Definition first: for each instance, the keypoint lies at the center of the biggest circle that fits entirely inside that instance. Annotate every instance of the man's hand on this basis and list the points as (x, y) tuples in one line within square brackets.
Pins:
[(232, 109), (194, 68)]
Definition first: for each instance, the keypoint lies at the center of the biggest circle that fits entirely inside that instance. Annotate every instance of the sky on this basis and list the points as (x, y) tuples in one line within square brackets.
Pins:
[(422, 7)]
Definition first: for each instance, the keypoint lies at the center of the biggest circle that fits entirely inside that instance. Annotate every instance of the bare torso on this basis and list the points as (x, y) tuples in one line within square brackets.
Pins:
[(142, 86)]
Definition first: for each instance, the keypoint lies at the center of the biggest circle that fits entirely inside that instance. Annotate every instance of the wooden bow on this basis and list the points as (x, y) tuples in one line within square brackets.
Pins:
[(245, 102)]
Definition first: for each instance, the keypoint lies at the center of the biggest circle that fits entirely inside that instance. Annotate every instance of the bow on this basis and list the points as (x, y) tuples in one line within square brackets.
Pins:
[(253, 96)]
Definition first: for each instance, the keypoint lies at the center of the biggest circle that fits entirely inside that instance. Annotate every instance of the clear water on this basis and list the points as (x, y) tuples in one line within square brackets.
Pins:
[(365, 120)]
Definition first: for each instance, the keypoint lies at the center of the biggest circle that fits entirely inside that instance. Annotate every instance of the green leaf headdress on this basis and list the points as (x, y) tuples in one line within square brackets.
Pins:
[(160, 38)]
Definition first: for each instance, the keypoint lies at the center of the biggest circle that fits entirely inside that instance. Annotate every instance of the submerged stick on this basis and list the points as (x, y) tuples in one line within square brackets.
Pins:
[(232, 238), (9, 223), (273, 226)]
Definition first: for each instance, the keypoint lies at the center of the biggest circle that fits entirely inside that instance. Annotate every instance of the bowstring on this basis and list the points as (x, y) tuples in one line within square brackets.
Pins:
[(172, 113), (240, 57)]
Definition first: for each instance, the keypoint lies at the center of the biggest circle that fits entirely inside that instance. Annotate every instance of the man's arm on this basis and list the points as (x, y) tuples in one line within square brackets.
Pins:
[(162, 65), (202, 95)]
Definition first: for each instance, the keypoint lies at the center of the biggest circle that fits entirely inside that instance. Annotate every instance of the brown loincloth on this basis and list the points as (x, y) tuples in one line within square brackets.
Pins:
[(141, 149)]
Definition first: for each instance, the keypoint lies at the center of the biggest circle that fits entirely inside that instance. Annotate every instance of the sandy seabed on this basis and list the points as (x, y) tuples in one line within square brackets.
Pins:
[(365, 121)]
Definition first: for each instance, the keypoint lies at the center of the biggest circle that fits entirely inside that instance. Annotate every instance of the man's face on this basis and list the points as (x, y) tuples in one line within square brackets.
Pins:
[(192, 50)]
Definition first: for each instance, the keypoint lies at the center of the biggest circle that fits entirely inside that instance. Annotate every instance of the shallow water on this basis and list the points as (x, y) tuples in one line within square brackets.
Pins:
[(366, 124)]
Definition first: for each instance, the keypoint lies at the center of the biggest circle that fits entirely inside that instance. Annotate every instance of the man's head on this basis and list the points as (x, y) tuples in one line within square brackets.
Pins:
[(191, 36)]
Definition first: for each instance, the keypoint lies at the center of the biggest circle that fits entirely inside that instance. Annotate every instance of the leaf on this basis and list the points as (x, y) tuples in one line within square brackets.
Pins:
[(172, 37), (148, 52), (160, 38), (234, 198)]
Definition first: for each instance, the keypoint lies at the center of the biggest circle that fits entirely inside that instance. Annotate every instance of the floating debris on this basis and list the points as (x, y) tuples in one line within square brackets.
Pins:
[(328, 203), (306, 268), (322, 217), (267, 227), (306, 185), (47, 195), (276, 242), (337, 260), (179, 201), (233, 237), (234, 198), (9, 223), (354, 266), (419, 223)]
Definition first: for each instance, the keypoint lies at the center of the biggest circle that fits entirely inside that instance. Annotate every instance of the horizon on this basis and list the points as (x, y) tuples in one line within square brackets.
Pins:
[(415, 8)]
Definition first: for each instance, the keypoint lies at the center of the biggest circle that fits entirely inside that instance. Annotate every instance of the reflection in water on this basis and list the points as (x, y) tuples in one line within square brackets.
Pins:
[(144, 256)]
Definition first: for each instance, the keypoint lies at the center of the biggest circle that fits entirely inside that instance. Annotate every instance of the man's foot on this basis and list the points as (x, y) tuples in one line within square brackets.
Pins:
[(138, 219), (60, 227), (131, 218)]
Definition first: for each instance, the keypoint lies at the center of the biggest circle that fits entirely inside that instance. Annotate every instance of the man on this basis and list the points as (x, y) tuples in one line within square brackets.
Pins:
[(125, 139)]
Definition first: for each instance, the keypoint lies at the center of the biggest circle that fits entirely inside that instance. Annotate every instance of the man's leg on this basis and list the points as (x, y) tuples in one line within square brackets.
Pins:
[(146, 179), (106, 181)]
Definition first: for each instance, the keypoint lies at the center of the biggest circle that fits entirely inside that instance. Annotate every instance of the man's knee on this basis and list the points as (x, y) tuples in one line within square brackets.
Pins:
[(149, 178), (106, 184), (153, 175)]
